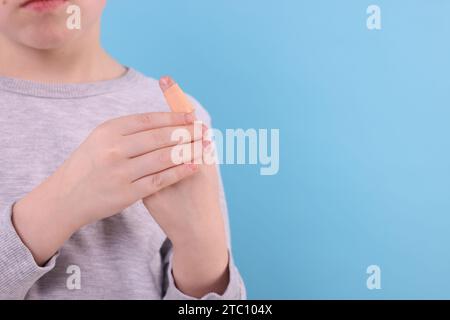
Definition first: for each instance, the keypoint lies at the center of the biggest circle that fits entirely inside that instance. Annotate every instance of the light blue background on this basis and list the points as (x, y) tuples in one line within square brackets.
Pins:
[(364, 119)]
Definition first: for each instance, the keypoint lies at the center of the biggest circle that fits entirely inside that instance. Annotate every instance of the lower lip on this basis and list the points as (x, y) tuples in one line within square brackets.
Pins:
[(44, 5)]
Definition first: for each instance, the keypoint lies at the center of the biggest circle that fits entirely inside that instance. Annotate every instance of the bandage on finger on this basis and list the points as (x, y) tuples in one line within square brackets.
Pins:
[(175, 97)]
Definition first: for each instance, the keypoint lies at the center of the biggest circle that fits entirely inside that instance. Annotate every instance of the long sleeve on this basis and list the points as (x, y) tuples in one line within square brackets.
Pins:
[(234, 291), (18, 270), (118, 257)]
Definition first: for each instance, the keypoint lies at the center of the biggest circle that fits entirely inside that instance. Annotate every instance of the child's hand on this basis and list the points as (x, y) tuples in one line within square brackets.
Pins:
[(190, 214), (187, 210), (121, 162)]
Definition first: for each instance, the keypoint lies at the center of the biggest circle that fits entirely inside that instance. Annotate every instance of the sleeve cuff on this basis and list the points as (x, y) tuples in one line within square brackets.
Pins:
[(18, 268), (234, 291)]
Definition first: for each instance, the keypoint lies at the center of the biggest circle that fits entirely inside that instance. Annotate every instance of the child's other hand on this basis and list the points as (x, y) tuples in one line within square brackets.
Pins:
[(190, 209), (190, 214), (122, 161)]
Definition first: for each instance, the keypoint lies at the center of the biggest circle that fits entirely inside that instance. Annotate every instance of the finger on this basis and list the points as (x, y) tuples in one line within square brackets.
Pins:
[(147, 121), (175, 97), (166, 82), (163, 159), (151, 184), (147, 141), (209, 153)]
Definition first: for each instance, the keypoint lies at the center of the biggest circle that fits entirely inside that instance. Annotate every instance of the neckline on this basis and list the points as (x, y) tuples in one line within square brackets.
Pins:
[(68, 90)]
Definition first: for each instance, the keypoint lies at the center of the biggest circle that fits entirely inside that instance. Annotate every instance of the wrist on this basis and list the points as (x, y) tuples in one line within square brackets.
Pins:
[(206, 240), (43, 222), (201, 267), (212, 245), (206, 235)]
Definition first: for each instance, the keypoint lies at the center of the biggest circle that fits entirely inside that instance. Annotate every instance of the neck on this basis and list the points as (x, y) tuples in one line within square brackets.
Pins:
[(80, 60)]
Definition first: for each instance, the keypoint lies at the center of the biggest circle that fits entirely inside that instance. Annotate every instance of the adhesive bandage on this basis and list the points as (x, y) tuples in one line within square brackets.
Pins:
[(177, 100)]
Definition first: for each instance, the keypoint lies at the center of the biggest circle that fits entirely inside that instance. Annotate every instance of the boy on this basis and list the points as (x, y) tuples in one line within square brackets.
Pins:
[(83, 141)]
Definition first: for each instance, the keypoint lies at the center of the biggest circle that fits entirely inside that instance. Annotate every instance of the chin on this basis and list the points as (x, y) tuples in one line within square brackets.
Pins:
[(46, 37)]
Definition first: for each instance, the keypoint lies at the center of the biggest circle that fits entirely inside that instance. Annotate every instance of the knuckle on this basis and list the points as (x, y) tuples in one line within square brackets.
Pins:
[(102, 132), (157, 181), (112, 154), (158, 138), (164, 156), (145, 119)]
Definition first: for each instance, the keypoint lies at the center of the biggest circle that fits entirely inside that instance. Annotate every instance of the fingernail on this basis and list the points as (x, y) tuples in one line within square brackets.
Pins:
[(166, 82), (189, 117)]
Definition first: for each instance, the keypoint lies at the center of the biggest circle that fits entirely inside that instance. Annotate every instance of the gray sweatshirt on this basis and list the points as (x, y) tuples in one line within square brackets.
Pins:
[(126, 256)]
